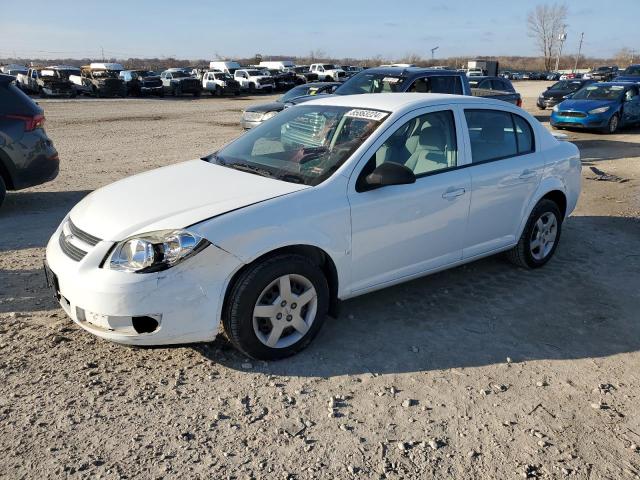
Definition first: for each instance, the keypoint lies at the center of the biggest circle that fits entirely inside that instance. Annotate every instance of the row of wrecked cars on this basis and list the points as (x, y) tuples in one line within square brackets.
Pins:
[(104, 80)]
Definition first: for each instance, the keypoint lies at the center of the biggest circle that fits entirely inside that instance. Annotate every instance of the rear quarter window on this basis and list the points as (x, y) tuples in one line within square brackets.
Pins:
[(14, 101)]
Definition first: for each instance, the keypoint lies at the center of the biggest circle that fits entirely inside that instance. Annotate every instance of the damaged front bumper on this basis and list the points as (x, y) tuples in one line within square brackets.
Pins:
[(179, 305)]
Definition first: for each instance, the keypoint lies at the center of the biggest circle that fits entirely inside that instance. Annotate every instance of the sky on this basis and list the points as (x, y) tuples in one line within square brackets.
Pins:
[(340, 28)]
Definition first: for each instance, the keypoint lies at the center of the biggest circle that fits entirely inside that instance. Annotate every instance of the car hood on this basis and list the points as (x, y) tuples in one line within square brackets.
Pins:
[(556, 93), (585, 105), (172, 197), (266, 107)]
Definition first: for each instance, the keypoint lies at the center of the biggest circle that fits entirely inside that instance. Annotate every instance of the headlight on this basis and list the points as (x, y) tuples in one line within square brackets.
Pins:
[(556, 108), (269, 115), (154, 251), (599, 110)]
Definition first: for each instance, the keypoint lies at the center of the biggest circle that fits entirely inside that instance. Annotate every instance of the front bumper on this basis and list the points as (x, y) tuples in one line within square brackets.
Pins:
[(249, 124), (588, 122), (152, 90), (185, 300), (547, 102)]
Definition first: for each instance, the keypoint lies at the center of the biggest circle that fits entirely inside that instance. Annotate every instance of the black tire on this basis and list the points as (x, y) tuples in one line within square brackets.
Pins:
[(237, 318), (177, 91), (197, 93), (237, 93), (612, 124), (521, 255), (3, 190), (252, 87)]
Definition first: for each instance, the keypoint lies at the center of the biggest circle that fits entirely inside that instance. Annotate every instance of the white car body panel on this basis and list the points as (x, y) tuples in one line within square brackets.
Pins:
[(111, 213), (375, 238)]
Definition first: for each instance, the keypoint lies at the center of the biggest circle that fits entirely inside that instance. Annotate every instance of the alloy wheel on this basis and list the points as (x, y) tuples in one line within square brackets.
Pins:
[(285, 311), (543, 236)]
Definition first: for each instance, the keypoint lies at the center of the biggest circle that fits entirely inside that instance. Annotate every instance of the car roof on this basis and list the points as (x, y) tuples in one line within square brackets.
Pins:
[(616, 84), (6, 79), (393, 102)]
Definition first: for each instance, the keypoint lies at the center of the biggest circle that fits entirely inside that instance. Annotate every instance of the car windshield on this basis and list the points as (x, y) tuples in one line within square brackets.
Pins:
[(632, 70), (179, 74), (599, 92), (142, 73), (298, 91), (328, 66), (223, 76), (371, 83), (255, 73), (566, 85), (303, 144)]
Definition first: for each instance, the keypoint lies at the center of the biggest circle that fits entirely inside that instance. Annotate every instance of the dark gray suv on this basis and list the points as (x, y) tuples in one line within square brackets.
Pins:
[(27, 155)]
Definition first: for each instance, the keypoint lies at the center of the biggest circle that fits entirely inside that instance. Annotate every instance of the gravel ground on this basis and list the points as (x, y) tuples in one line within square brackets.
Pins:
[(483, 371)]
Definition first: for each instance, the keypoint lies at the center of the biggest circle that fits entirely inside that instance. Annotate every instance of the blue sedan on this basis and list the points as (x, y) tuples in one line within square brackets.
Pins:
[(599, 106)]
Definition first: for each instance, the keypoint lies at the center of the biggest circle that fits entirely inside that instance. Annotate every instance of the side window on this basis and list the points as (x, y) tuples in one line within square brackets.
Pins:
[(421, 85), (524, 135), (485, 84), (424, 144), (446, 84), (493, 135)]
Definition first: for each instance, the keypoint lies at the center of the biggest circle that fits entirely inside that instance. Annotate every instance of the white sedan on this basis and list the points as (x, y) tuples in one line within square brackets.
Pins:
[(328, 200)]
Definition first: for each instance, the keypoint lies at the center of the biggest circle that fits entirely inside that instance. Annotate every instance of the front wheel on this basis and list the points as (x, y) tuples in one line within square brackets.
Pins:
[(276, 307), (540, 237), (613, 124)]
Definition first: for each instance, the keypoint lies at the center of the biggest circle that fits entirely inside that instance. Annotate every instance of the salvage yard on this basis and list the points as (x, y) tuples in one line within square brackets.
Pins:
[(483, 371)]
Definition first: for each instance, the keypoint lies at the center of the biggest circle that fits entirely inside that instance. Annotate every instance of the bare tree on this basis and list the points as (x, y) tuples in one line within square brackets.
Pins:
[(545, 24), (625, 56)]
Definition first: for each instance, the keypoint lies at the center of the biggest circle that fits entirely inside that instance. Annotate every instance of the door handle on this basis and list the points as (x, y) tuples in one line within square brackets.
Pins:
[(452, 193), (527, 174)]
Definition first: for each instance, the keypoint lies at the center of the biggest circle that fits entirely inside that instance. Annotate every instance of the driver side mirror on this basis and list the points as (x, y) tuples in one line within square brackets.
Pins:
[(389, 173)]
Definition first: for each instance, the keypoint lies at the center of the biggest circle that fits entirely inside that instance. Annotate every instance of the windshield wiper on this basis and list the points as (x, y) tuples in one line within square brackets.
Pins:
[(245, 167)]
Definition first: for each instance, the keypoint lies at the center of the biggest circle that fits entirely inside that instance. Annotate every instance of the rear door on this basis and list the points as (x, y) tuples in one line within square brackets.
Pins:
[(505, 173), (631, 106)]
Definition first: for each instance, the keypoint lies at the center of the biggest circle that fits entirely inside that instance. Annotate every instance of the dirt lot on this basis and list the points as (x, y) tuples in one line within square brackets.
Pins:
[(485, 371)]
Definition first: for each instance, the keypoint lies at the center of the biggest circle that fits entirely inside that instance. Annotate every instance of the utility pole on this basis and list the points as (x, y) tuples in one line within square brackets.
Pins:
[(433, 52), (102, 49), (579, 52), (562, 38)]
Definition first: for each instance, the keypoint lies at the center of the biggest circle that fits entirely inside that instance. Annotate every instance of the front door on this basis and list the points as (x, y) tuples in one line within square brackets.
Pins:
[(403, 230)]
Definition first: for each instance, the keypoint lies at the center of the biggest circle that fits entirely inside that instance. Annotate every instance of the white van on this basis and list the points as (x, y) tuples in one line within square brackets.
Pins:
[(281, 65), (229, 67)]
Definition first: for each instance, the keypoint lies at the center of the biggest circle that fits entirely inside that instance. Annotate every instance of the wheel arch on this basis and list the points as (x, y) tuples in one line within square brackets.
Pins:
[(551, 188), (5, 173), (314, 253)]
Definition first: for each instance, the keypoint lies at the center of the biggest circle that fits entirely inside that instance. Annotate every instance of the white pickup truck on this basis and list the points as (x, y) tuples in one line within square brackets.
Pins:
[(328, 72), (219, 83), (253, 79)]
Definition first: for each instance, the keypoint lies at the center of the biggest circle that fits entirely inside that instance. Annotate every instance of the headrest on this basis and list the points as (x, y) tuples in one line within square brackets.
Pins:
[(433, 138)]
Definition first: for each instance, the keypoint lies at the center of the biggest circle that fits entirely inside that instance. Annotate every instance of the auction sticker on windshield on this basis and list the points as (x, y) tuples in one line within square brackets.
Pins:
[(375, 115)]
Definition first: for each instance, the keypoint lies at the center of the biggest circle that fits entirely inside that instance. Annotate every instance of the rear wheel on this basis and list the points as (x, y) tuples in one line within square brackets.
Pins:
[(252, 87), (540, 237), (177, 91), (276, 307)]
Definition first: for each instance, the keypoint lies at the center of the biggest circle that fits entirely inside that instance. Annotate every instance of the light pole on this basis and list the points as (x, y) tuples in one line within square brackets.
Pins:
[(579, 52), (433, 51), (562, 37)]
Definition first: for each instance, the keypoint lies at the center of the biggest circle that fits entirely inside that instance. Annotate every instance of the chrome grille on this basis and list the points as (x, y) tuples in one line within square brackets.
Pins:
[(84, 236), (572, 114), (70, 250)]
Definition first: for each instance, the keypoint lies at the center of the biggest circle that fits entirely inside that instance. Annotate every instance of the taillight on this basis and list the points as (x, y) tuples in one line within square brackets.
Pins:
[(30, 122), (519, 102)]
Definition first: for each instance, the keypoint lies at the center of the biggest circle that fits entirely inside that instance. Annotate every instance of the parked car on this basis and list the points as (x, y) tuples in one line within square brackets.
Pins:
[(142, 82), (516, 76), (600, 106), (219, 83), (328, 200), (328, 72), (100, 80), (553, 76), (304, 75), (282, 80), (252, 79), (630, 74), (27, 154), (254, 115), (351, 70), (13, 69), (46, 82), (495, 87), (602, 74), (400, 79), (178, 82), (281, 65), (475, 72), (557, 92)]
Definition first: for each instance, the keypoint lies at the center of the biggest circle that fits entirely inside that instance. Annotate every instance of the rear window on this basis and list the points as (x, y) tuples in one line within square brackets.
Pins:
[(14, 101)]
